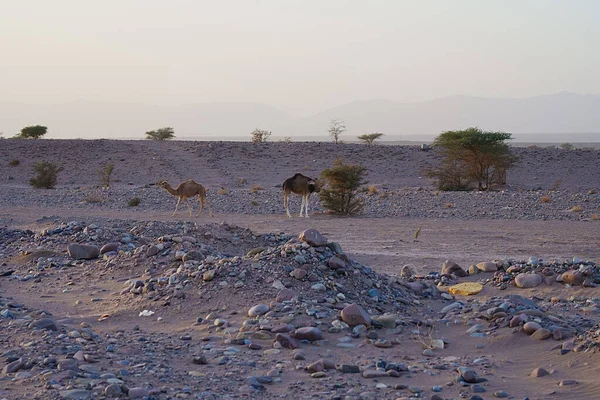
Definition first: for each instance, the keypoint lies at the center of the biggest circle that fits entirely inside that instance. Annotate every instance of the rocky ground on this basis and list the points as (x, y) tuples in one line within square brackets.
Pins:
[(100, 300)]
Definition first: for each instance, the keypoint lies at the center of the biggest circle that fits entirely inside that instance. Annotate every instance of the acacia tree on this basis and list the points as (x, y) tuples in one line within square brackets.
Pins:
[(32, 132), (336, 128), (161, 134), (472, 155), (370, 138)]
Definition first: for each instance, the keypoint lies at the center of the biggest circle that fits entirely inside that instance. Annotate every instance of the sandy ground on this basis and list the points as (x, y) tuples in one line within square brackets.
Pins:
[(384, 244)]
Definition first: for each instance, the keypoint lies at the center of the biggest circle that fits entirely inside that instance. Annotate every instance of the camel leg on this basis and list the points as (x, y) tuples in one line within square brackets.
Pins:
[(285, 204), (205, 199), (176, 206), (306, 205), (189, 206), (201, 201), (302, 205)]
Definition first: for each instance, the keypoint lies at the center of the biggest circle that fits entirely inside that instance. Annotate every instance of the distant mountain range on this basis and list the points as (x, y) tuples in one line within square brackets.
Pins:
[(553, 118)]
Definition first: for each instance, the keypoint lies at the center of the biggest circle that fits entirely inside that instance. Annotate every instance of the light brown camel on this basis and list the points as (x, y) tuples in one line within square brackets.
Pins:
[(302, 185), (186, 190)]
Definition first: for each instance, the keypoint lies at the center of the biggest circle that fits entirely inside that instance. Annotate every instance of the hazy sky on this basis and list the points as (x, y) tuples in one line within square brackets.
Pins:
[(300, 56)]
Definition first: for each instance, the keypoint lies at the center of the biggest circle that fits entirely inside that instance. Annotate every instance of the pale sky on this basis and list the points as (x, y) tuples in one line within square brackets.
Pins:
[(299, 56)]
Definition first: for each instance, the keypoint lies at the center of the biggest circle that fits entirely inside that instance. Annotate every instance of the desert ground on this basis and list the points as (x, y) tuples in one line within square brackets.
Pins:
[(239, 306)]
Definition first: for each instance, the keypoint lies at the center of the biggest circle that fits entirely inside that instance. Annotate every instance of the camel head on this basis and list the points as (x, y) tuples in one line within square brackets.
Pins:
[(162, 183), (314, 185)]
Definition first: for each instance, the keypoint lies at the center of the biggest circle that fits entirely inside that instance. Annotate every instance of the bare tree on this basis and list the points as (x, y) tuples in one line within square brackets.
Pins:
[(336, 128)]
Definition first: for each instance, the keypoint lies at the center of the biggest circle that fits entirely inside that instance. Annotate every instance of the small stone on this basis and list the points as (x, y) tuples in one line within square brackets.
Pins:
[(539, 372), (336, 263), (285, 295), (308, 333), (373, 373), (567, 382), (109, 247), (541, 334), (209, 275), (259, 309), (298, 273), (530, 327)]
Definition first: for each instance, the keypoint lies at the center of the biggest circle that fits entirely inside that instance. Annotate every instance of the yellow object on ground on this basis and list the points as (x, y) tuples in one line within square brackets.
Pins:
[(466, 288)]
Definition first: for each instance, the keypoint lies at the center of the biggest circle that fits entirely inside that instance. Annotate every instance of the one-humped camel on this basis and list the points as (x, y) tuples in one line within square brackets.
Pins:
[(302, 185), (186, 190)]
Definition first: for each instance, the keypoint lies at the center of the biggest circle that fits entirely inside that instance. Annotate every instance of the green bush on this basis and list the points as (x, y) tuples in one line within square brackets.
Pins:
[(14, 162), (343, 181), (105, 174), (46, 174), (134, 202)]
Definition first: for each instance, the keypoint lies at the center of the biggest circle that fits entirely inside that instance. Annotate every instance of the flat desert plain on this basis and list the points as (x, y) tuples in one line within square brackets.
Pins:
[(238, 305)]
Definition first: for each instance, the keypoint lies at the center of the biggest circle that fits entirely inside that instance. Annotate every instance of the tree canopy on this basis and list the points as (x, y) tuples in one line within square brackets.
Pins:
[(161, 134), (370, 138), (473, 155), (32, 132)]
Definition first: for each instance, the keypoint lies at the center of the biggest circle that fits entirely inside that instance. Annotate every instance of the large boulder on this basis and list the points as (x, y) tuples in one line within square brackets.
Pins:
[(526, 281), (354, 315), (487, 266), (83, 251), (573, 277), (450, 267), (313, 237)]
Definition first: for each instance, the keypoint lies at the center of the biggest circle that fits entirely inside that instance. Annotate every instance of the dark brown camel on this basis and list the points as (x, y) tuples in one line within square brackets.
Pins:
[(302, 185)]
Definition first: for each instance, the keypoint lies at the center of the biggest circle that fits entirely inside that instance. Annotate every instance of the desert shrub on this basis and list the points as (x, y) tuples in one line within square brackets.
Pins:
[(254, 203), (32, 132), (161, 134), (450, 176), (105, 174), (372, 190), (343, 182), (472, 156), (46, 174), (222, 192), (260, 135), (545, 199), (577, 208), (134, 202), (370, 138), (567, 146), (595, 217), (256, 188), (448, 205), (14, 162), (555, 185), (241, 181), (93, 198)]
